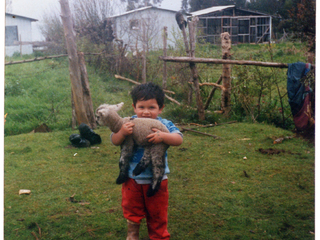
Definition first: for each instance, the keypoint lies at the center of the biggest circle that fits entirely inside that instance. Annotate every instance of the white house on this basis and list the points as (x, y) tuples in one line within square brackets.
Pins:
[(18, 28), (145, 25)]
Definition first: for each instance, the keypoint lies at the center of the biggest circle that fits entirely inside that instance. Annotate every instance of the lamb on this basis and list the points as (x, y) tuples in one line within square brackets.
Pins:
[(106, 115)]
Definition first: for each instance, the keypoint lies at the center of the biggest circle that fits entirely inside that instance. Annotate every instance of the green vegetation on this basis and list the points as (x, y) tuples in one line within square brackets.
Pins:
[(40, 92), (210, 196)]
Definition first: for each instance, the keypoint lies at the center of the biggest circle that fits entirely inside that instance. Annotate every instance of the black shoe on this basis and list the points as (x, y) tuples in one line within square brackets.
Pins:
[(78, 141), (87, 133)]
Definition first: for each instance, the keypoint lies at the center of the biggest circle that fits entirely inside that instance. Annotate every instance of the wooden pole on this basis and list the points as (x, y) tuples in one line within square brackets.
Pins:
[(165, 35), (226, 74), (194, 71), (144, 57), (20, 46), (185, 39), (223, 61), (74, 70), (87, 101)]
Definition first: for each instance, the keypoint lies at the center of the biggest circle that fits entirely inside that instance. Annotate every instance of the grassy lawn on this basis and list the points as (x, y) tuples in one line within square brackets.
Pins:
[(210, 196)]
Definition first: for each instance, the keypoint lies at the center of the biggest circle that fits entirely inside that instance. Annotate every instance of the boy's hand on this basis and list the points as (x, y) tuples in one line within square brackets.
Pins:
[(127, 129), (155, 137)]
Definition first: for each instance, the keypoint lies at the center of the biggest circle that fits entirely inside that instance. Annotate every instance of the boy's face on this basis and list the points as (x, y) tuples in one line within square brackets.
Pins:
[(147, 109)]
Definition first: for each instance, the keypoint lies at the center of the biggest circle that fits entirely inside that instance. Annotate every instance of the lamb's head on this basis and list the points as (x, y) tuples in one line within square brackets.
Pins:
[(106, 115)]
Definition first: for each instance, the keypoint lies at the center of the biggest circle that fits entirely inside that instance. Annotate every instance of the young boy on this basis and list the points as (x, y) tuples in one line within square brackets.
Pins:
[(148, 102)]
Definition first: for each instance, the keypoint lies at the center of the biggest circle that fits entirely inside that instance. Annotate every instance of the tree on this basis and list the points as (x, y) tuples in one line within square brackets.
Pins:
[(134, 4), (303, 15), (91, 20), (8, 6), (52, 30), (185, 5)]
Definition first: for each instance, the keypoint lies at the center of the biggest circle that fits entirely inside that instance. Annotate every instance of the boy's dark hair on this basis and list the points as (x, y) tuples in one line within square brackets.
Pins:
[(147, 91)]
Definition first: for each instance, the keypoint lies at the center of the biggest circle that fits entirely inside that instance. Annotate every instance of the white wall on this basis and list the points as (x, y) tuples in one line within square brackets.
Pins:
[(24, 31), (157, 19)]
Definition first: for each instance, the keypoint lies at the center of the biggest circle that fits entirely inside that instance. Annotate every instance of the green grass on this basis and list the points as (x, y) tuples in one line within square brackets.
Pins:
[(210, 197)]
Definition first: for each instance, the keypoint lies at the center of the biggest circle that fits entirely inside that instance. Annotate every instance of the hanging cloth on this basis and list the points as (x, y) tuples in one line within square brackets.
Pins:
[(298, 94)]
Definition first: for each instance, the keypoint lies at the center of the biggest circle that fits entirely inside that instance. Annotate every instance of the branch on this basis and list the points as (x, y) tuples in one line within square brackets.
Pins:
[(47, 57), (137, 83), (207, 134), (211, 84), (223, 61)]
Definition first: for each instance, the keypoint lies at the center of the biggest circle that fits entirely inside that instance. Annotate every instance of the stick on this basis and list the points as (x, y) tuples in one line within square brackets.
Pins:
[(223, 61), (35, 235), (172, 100), (164, 80), (47, 57), (212, 125), (212, 84), (39, 229), (206, 105), (137, 83), (207, 134)]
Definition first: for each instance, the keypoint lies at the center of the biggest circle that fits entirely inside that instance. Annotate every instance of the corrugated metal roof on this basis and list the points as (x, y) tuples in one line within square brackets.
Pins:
[(139, 10), (211, 10), (15, 15)]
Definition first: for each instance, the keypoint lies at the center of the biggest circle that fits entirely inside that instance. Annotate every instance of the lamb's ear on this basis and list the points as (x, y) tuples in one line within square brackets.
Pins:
[(102, 112), (118, 106)]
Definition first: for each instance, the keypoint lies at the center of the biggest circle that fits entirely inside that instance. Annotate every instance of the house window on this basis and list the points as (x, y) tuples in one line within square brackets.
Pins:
[(134, 24), (11, 35)]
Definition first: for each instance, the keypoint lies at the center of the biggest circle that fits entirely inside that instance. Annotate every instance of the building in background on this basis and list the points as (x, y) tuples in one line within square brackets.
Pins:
[(18, 29), (244, 26), (145, 26)]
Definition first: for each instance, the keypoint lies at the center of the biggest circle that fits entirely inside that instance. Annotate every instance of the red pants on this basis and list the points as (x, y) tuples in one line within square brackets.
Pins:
[(136, 206)]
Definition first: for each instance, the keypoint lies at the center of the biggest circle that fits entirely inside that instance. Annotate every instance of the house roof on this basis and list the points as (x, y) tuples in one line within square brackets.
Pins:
[(140, 10), (211, 10), (220, 8), (15, 15)]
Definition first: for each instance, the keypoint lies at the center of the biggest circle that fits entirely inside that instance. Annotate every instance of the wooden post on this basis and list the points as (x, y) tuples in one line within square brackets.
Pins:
[(74, 70), (144, 57), (87, 101), (185, 40), (73, 117), (194, 71), (20, 46), (226, 74), (164, 80)]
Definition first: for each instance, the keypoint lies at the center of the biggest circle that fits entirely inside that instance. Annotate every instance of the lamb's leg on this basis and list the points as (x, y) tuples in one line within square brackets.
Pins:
[(144, 162), (126, 155), (158, 152)]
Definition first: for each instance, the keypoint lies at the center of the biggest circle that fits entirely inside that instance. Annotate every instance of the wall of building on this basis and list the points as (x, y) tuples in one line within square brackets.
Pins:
[(150, 22), (23, 28)]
